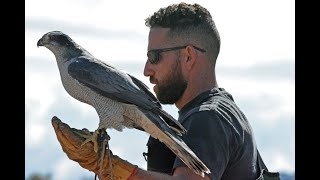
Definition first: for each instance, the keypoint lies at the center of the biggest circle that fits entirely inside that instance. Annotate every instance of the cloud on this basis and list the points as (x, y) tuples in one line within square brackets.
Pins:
[(65, 169), (35, 134), (278, 161), (82, 29), (275, 70)]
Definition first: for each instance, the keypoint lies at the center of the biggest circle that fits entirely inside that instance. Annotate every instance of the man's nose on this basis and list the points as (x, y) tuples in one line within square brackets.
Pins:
[(148, 71)]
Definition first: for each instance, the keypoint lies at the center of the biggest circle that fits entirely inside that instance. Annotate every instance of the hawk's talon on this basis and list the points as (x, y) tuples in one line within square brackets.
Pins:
[(90, 137)]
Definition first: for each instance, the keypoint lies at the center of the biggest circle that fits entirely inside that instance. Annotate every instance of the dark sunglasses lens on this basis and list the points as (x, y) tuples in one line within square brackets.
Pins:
[(153, 57)]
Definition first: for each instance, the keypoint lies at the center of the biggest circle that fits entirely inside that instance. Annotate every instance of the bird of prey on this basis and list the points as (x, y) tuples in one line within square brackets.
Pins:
[(120, 99)]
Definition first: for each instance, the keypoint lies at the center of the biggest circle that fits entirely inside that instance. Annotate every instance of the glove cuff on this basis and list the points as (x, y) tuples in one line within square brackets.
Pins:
[(121, 169), (135, 170)]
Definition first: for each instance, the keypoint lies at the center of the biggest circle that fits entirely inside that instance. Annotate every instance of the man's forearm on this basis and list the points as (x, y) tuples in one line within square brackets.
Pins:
[(180, 173), (151, 175)]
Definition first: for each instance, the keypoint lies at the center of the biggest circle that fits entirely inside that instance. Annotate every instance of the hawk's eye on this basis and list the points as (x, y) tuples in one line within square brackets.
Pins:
[(50, 37)]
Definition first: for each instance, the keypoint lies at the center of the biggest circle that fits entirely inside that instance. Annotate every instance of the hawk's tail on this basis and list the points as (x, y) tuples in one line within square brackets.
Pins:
[(153, 125), (176, 145)]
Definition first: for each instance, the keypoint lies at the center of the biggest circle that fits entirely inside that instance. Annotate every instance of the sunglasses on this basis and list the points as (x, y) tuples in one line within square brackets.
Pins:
[(153, 55)]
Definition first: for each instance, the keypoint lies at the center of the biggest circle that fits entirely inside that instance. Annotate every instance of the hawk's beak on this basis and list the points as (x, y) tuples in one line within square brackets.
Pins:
[(40, 43)]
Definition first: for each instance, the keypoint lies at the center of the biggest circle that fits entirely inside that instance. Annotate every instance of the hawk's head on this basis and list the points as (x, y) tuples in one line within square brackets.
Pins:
[(55, 38), (60, 44)]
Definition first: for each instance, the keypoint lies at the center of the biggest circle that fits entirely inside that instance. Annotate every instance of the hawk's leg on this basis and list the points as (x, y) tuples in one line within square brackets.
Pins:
[(103, 142)]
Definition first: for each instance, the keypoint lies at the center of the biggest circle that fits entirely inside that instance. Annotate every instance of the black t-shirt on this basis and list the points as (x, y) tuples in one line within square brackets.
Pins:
[(218, 133)]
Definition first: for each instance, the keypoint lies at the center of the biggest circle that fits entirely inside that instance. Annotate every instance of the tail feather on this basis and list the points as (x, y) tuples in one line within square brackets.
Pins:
[(172, 123), (181, 149), (178, 147)]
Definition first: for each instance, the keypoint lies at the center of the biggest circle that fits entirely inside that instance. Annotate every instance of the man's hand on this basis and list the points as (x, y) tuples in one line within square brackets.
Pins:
[(85, 155)]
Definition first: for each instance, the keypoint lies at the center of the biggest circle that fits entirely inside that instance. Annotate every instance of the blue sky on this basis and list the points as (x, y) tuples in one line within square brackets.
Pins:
[(256, 65)]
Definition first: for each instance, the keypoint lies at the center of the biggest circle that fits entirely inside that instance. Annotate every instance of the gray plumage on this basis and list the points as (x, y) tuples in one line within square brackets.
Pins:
[(120, 100)]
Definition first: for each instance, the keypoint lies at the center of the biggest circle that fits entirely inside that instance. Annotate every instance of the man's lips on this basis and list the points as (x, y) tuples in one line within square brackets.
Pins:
[(153, 80)]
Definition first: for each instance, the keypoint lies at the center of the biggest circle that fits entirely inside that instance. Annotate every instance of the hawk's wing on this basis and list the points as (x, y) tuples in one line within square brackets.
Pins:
[(117, 85)]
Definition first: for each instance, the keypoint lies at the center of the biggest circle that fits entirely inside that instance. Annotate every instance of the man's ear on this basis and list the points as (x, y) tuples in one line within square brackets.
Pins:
[(190, 57)]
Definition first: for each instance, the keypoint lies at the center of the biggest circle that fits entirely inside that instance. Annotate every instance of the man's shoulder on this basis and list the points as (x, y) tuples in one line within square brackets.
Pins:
[(204, 109), (201, 115)]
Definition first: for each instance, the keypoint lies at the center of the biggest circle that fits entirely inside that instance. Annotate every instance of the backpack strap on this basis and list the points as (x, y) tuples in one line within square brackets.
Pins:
[(261, 163), (264, 172)]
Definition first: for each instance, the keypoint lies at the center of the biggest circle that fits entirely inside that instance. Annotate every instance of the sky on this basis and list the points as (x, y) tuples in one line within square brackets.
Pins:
[(255, 64)]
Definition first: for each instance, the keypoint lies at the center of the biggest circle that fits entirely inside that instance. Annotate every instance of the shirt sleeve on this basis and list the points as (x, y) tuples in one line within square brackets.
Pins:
[(210, 138)]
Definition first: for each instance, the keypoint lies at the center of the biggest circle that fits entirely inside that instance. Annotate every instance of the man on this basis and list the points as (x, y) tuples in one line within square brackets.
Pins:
[(183, 48)]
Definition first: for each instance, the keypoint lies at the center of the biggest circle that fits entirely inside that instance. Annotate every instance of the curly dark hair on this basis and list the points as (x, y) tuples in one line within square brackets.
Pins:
[(188, 24)]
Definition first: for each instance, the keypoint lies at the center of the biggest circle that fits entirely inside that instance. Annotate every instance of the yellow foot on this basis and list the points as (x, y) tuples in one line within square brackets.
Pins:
[(90, 137)]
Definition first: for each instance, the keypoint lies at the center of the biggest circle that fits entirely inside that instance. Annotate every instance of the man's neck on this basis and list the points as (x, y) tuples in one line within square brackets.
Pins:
[(193, 91)]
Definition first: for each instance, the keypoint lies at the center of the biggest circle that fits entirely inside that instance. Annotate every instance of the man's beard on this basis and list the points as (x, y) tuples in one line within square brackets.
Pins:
[(174, 86)]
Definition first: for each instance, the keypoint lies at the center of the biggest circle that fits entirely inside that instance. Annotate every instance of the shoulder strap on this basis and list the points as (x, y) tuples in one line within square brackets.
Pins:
[(264, 172), (261, 163)]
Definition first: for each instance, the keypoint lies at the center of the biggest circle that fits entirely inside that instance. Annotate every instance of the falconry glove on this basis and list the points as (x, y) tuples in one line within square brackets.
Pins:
[(85, 155)]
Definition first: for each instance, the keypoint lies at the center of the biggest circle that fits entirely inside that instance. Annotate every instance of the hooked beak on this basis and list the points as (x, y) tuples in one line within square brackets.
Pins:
[(40, 42)]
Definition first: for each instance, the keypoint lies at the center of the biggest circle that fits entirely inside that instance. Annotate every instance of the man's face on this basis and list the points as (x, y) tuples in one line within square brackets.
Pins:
[(165, 74), (172, 86)]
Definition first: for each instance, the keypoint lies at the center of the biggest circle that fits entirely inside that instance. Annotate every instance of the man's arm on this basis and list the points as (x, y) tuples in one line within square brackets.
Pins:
[(180, 173)]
